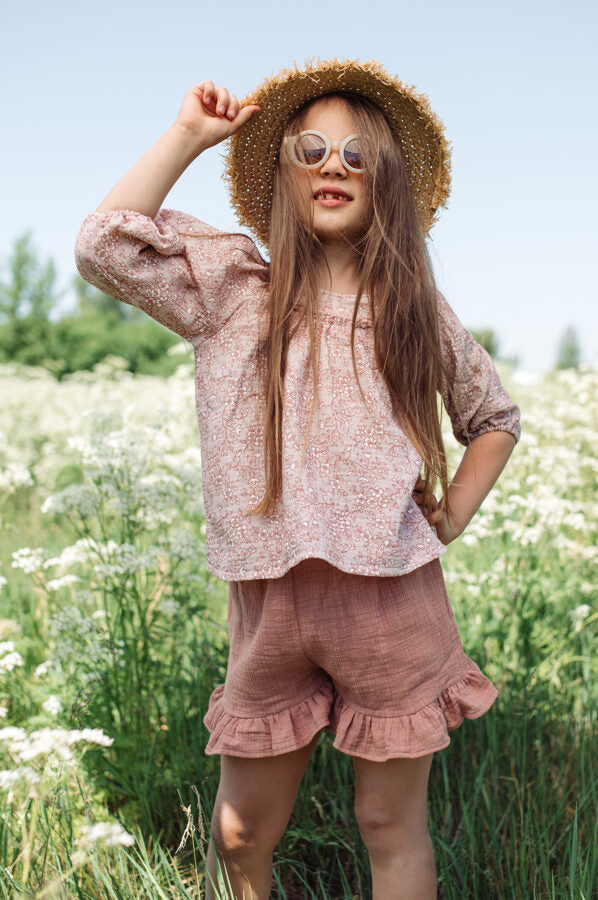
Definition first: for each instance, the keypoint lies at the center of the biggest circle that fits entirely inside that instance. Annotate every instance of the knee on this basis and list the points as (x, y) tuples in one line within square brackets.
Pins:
[(389, 832), (235, 833)]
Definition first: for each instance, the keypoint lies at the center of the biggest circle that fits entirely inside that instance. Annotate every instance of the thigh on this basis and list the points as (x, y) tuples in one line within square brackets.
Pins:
[(392, 793), (256, 796)]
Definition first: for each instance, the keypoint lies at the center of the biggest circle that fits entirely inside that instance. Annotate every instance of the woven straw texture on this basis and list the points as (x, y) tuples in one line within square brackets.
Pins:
[(253, 150)]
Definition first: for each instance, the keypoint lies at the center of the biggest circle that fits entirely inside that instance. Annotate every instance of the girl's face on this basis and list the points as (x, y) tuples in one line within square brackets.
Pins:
[(344, 215)]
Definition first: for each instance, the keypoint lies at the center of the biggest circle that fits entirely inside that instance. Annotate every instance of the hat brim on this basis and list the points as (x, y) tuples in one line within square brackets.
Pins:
[(252, 153)]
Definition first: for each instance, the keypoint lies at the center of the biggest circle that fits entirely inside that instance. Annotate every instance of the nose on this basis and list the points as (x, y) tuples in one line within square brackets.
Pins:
[(333, 166)]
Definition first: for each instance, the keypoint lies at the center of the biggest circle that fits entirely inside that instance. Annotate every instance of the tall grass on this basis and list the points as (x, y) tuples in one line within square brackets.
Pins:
[(110, 621)]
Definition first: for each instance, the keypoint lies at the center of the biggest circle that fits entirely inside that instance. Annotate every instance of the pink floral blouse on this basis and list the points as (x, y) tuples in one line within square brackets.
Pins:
[(351, 501)]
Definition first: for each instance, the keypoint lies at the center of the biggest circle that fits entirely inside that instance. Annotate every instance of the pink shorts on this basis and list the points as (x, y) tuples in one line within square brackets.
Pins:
[(375, 660)]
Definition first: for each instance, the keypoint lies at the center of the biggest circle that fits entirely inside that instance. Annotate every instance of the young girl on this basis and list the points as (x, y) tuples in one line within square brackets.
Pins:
[(317, 376)]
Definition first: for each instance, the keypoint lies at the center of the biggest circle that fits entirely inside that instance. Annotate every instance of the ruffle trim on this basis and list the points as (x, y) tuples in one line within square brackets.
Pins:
[(377, 738), (282, 731)]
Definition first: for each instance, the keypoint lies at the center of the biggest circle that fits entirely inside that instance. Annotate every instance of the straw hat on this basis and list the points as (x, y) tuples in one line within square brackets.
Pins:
[(251, 157)]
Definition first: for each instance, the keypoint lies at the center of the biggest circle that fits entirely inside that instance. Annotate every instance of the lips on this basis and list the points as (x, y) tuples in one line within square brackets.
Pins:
[(331, 193)]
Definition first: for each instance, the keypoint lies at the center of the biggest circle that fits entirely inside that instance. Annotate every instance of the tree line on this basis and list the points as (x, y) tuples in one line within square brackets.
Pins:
[(100, 326)]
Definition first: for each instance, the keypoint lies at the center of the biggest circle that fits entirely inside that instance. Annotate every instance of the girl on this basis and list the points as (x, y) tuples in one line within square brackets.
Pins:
[(317, 377)]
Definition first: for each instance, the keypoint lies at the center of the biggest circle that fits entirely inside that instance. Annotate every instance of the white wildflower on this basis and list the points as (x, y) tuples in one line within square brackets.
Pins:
[(6, 646), (12, 733), (169, 607), (181, 544), (128, 559), (589, 552), (14, 476), (64, 581), (80, 552), (42, 668), (112, 361), (8, 663), (579, 614), (81, 498), (3, 580), (180, 348), (52, 705), (51, 741), (8, 777), (29, 559), (108, 834), (92, 735), (3, 712)]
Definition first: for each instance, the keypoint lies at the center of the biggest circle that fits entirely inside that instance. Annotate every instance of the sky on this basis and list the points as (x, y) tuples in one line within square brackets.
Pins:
[(86, 89)]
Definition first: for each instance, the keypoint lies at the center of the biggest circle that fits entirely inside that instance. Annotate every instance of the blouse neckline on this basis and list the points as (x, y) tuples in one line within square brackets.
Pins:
[(339, 294)]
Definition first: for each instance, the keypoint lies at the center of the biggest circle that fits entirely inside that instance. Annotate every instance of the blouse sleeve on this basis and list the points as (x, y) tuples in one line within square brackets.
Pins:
[(188, 276), (476, 400)]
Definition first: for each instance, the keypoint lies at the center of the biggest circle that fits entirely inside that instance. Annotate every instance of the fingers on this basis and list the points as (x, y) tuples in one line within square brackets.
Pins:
[(422, 493), (221, 104), (214, 99), (245, 113), (425, 499), (219, 101)]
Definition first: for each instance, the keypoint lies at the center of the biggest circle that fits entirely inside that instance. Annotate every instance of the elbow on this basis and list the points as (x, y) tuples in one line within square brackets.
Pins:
[(86, 259)]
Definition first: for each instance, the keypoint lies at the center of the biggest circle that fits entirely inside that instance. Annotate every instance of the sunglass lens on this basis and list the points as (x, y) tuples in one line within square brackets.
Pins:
[(310, 149), (352, 155)]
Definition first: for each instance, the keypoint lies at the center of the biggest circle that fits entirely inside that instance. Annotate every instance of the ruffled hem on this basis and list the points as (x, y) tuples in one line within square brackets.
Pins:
[(281, 732), (379, 738)]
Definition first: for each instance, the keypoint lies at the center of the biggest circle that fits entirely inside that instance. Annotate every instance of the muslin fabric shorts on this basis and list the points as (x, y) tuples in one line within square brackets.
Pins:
[(375, 660)]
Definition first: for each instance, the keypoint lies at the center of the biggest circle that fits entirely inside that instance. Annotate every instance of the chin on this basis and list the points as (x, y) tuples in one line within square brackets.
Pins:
[(337, 233)]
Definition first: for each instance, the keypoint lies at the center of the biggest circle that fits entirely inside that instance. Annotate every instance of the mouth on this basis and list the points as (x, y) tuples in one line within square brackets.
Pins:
[(332, 197)]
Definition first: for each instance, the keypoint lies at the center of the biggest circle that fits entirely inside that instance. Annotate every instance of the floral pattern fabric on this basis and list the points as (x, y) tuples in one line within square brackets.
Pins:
[(350, 501)]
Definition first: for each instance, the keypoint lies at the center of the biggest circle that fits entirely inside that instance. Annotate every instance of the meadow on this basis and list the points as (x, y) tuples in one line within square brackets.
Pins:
[(113, 636)]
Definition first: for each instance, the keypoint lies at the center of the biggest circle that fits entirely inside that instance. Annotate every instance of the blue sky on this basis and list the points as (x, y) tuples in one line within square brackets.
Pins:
[(88, 88)]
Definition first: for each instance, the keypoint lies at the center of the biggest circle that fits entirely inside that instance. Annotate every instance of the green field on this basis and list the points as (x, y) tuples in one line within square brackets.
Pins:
[(113, 636)]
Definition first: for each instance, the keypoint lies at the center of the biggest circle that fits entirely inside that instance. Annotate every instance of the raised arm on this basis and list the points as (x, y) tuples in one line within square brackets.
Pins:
[(168, 263), (207, 116)]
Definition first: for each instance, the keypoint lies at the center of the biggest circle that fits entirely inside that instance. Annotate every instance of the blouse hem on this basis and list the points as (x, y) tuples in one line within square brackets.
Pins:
[(283, 568)]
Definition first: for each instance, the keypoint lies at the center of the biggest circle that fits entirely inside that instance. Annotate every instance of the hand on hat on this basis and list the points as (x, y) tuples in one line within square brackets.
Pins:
[(212, 114)]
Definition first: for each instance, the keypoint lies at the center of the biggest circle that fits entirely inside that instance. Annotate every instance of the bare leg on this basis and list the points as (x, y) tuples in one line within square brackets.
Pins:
[(392, 815), (253, 805)]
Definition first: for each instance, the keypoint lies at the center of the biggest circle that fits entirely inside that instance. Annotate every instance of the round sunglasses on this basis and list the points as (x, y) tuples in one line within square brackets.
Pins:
[(311, 149)]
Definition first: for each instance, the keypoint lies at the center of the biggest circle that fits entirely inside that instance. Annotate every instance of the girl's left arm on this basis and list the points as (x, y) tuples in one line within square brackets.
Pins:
[(483, 461), (485, 420)]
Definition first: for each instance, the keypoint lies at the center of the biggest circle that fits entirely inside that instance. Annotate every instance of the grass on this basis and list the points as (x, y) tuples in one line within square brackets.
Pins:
[(137, 644)]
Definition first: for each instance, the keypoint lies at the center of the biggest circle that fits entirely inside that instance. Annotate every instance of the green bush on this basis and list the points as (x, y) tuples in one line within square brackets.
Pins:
[(78, 343)]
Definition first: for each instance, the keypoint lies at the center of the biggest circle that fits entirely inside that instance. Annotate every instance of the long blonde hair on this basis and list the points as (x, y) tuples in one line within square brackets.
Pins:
[(394, 271)]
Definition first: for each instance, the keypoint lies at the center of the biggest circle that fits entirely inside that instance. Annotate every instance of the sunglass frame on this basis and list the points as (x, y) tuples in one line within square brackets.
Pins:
[(291, 141)]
